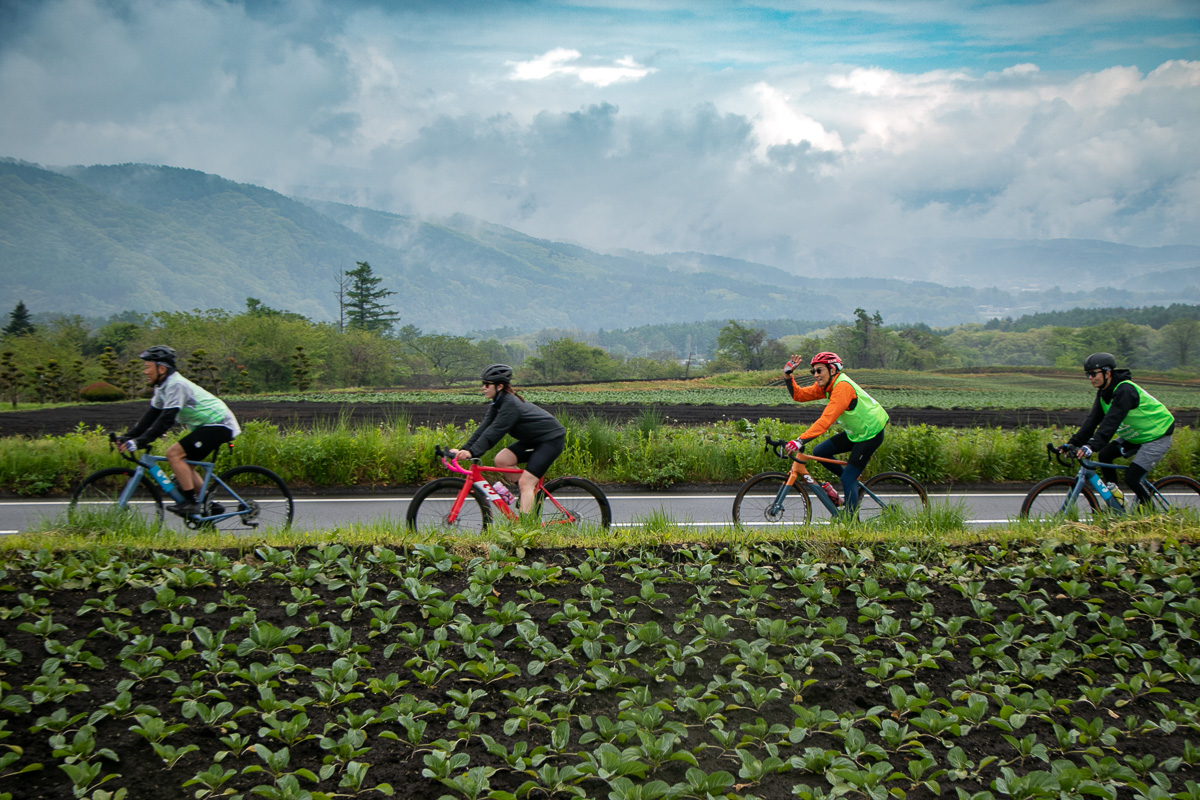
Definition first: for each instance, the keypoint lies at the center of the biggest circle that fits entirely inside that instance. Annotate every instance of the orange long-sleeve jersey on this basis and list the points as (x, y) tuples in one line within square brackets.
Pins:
[(840, 399)]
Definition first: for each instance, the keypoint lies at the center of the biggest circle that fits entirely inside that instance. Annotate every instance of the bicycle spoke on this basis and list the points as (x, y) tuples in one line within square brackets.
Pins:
[(249, 498), (896, 497), (579, 502), (755, 504), (95, 501), (1180, 491), (431, 505), (1048, 501)]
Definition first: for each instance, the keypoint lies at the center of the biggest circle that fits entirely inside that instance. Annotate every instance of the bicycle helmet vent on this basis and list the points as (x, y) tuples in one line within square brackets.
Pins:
[(831, 359), (159, 354), (498, 373)]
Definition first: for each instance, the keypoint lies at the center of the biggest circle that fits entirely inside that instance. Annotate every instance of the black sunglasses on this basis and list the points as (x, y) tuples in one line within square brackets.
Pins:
[(489, 383), (814, 370), (1091, 373)]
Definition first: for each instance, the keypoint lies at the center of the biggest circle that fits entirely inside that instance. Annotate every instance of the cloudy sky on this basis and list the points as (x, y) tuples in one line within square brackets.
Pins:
[(763, 131)]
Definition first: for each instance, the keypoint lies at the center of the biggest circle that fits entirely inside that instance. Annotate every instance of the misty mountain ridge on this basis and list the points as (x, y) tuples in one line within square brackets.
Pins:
[(103, 239)]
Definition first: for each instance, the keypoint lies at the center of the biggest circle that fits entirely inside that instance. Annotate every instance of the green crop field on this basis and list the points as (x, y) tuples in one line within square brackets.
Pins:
[(891, 387), (758, 670)]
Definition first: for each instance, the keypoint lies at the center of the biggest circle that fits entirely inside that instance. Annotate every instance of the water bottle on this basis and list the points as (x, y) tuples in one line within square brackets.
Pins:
[(164, 480), (503, 491), (1117, 494), (487, 490), (1100, 488), (832, 492)]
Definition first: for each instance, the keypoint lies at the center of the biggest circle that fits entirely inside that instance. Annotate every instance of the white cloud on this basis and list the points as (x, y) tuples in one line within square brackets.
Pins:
[(780, 123), (750, 140), (559, 61)]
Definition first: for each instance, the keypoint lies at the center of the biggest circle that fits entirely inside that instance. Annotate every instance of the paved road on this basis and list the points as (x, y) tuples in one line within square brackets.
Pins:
[(702, 509)]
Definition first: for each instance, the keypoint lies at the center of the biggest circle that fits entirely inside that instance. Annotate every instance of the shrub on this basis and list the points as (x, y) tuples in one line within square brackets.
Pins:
[(102, 392)]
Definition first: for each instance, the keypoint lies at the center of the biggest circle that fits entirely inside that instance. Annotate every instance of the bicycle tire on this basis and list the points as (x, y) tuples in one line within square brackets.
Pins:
[(897, 490), (261, 496), (1045, 501), (752, 505), (97, 494), (432, 503), (583, 500), (1179, 491)]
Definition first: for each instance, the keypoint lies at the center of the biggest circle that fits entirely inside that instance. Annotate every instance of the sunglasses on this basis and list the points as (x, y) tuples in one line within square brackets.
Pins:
[(1091, 373), (815, 370), (488, 383)]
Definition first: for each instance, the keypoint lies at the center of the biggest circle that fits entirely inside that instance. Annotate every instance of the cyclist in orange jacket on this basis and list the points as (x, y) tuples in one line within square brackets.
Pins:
[(860, 415)]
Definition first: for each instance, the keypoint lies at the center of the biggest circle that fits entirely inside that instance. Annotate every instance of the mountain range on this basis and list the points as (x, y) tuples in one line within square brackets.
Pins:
[(100, 240)]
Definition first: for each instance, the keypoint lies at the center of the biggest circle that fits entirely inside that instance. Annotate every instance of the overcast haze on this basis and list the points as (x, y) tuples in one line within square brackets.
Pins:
[(767, 132)]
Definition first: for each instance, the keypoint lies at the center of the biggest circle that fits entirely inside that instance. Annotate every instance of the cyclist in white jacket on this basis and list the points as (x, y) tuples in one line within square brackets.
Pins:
[(209, 421)]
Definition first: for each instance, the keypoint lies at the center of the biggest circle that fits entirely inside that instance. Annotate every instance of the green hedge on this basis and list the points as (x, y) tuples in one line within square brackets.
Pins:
[(646, 452)]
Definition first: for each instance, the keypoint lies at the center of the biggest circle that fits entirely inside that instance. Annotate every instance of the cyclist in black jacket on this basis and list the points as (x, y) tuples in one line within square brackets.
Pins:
[(1143, 425), (540, 437)]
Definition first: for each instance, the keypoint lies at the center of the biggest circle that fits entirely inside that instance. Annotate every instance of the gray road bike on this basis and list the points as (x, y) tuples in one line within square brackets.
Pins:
[(1080, 497), (242, 498)]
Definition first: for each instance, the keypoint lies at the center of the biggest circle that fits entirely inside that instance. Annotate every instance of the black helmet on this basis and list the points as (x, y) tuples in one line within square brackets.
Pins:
[(1099, 361), (159, 354), (498, 373)]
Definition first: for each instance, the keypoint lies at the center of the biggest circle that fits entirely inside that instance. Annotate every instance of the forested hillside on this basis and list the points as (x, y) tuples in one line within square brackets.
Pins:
[(109, 239)]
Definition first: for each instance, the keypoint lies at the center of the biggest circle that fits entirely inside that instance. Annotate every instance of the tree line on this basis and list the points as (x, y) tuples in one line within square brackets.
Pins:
[(264, 349)]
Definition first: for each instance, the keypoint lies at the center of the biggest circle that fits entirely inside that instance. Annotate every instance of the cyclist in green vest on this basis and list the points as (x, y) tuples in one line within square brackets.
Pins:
[(860, 415), (1142, 425)]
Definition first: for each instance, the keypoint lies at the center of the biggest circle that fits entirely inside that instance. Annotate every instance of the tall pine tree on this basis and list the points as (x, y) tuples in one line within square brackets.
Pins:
[(18, 321), (362, 307)]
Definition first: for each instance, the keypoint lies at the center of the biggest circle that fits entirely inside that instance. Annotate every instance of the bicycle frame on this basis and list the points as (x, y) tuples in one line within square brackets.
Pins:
[(1088, 468), (473, 477), (800, 472), (146, 462)]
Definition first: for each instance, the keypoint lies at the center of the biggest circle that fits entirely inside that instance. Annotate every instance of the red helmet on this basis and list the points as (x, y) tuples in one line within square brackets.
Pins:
[(831, 359)]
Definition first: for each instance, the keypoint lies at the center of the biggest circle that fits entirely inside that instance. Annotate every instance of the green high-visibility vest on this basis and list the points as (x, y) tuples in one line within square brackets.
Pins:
[(866, 419), (1150, 420)]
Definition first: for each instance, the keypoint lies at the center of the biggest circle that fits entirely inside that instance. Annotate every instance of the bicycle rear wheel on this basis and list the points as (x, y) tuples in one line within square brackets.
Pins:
[(1048, 501), (755, 502), (431, 505), (899, 495), (260, 497), (96, 498), (583, 504), (1180, 491)]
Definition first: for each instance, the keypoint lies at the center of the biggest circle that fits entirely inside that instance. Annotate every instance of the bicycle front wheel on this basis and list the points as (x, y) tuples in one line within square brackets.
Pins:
[(1051, 500), (97, 495), (1179, 491), (245, 498), (755, 502), (431, 505), (579, 502), (895, 493)]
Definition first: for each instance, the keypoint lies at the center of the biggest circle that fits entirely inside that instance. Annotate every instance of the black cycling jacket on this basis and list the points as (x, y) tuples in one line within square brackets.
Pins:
[(510, 414), (1099, 427), (153, 424)]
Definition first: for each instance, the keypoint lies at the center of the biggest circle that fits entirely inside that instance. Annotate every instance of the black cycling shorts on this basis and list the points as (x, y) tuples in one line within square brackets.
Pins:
[(537, 458), (204, 440)]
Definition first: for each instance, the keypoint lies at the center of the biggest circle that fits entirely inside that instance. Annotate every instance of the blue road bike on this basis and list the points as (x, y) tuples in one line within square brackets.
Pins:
[(1081, 497), (242, 498)]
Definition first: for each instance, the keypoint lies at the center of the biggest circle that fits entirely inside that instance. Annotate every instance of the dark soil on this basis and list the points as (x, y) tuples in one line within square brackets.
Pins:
[(120, 416), (839, 686)]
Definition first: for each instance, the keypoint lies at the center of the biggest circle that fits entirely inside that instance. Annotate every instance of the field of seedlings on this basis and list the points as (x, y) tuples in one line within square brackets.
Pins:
[(810, 669), (893, 388)]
